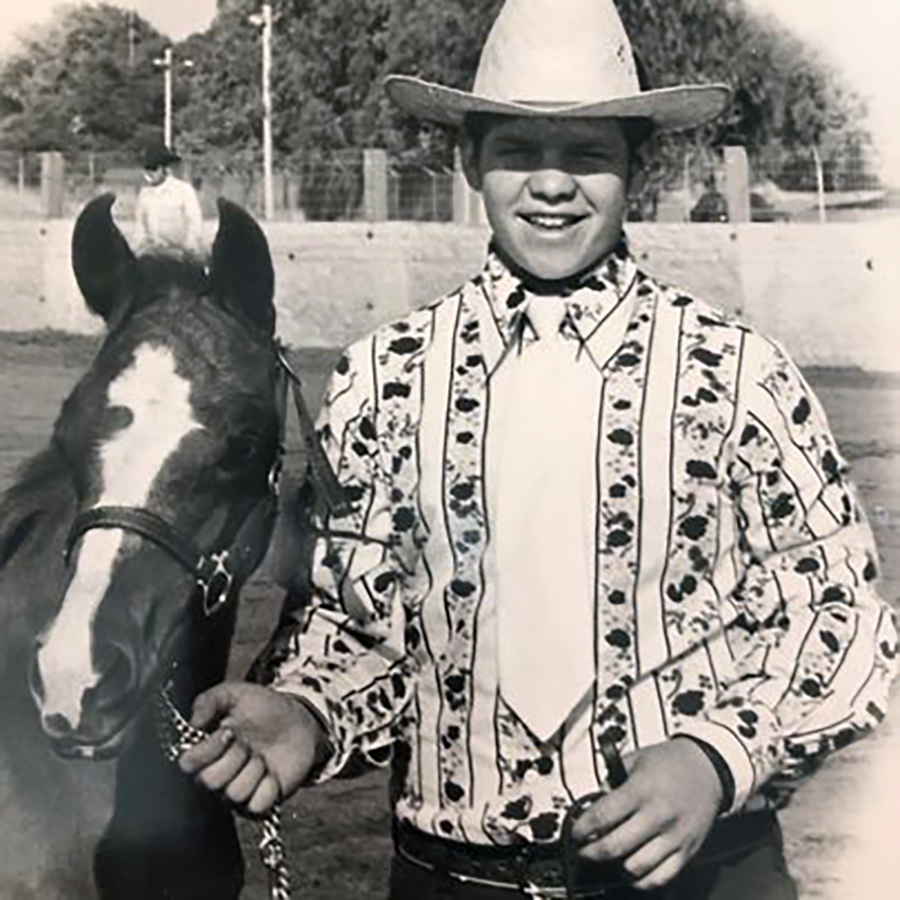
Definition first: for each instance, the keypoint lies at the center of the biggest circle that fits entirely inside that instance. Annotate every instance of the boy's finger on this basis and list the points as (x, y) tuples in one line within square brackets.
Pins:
[(266, 795), (662, 874), (219, 774), (242, 787), (206, 752), (606, 813), (211, 705), (623, 840)]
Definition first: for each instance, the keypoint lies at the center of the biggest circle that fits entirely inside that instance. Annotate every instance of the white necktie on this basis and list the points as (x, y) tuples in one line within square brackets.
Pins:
[(545, 407)]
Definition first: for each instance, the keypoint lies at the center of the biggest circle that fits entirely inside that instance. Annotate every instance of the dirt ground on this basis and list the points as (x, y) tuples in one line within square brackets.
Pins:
[(840, 828)]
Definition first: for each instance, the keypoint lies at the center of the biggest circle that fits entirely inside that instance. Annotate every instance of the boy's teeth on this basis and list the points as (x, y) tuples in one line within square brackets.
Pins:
[(550, 221)]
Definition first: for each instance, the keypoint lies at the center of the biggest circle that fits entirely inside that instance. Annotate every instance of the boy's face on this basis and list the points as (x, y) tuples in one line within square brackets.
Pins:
[(155, 176), (554, 189)]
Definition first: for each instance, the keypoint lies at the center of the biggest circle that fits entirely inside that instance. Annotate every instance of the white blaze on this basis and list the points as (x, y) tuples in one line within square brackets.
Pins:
[(158, 399)]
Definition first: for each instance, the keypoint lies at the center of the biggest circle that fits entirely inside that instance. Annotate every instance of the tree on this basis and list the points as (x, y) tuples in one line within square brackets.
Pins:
[(72, 86)]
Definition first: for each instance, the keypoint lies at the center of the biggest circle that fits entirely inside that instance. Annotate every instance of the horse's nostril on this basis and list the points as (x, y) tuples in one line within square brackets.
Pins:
[(118, 675), (57, 726)]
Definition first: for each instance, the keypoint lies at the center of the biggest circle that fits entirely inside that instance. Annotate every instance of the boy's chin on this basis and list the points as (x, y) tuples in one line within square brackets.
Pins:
[(550, 264), (552, 270)]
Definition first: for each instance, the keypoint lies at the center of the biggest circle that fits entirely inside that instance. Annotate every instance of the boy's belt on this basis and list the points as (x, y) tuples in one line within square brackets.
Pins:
[(555, 869)]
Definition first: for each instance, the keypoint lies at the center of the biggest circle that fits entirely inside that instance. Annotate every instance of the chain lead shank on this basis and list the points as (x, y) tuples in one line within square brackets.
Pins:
[(176, 735)]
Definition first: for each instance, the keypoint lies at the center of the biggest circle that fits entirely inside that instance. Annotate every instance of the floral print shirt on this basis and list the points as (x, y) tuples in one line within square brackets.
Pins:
[(733, 568)]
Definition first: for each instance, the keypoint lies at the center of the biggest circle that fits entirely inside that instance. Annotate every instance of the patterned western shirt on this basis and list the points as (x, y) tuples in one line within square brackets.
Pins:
[(731, 565)]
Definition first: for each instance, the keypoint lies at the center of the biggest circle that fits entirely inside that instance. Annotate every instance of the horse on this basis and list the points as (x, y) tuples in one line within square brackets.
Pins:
[(123, 547)]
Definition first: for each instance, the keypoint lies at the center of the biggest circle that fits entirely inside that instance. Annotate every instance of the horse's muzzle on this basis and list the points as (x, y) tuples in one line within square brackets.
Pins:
[(105, 712)]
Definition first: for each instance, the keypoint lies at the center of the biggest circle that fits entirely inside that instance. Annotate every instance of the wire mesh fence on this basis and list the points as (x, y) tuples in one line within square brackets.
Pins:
[(420, 195), (20, 185), (785, 185)]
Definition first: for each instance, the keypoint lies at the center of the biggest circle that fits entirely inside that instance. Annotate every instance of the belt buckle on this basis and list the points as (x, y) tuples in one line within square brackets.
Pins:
[(545, 893)]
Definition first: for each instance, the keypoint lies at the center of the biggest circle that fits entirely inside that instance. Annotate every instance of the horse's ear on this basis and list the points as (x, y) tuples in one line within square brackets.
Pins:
[(103, 263), (242, 274)]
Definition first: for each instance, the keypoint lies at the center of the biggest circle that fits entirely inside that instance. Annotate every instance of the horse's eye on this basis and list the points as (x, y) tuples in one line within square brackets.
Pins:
[(240, 453)]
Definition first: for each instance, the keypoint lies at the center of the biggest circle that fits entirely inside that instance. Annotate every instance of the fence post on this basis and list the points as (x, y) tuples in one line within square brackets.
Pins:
[(53, 190), (468, 208), (737, 184), (820, 185), (375, 185)]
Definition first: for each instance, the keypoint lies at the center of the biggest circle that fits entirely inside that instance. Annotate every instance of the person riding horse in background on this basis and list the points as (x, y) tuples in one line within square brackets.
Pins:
[(168, 214), (605, 590)]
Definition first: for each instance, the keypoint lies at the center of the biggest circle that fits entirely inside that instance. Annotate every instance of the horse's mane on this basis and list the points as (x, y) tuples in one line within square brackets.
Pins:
[(167, 270), (36, 502)]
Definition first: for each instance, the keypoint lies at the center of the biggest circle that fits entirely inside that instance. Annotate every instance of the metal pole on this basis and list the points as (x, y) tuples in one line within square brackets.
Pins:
[(268, 191), (131, 37), (167, 74)]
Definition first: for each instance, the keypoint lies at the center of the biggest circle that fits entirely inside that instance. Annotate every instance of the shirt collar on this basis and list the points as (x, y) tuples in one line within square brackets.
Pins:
[(588, 299)]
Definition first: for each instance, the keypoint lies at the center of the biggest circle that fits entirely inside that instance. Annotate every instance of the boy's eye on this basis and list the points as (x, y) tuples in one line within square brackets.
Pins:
[(517, 156), (515, 152), (591, 154)]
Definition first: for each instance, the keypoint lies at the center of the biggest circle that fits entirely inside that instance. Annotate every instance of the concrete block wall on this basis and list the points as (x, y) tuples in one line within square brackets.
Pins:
[(830, 293)]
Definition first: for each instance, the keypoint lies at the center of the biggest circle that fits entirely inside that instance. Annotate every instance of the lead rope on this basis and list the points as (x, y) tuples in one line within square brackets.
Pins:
[(176, 735)]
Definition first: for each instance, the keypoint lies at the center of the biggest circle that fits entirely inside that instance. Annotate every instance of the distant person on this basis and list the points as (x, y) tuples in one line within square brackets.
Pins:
[(168, 214), (712, 205), (604, 589)]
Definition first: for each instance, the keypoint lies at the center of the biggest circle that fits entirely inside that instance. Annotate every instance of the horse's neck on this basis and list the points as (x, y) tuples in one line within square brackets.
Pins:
[(35, 516), (30, 586)]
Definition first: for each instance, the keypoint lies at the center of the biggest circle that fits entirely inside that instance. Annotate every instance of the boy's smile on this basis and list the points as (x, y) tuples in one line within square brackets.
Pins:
[(554, 190)]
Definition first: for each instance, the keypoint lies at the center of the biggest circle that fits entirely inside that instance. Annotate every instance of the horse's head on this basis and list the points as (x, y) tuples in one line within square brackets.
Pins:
[(171, 438)]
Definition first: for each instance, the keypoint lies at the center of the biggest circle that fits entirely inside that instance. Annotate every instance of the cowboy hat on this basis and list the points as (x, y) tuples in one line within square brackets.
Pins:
[(561, 58), (158, 155)]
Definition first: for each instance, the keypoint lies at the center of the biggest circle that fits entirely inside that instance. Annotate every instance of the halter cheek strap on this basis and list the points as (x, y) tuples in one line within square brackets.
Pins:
[(321, 473)]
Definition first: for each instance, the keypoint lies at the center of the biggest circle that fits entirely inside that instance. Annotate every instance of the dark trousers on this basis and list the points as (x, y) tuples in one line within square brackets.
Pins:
[(757, 873)]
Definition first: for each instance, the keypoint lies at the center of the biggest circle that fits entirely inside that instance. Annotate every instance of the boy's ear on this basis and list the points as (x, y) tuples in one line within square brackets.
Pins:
[(469, 153)]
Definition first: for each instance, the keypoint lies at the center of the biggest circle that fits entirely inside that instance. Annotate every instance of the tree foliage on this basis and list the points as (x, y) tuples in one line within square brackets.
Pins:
[(73, 85)]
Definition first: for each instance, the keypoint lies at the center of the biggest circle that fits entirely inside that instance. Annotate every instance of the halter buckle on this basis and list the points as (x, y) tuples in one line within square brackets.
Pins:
[(215, 589)]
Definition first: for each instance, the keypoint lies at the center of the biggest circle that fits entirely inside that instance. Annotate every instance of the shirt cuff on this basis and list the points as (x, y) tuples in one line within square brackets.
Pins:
[(732, 753)]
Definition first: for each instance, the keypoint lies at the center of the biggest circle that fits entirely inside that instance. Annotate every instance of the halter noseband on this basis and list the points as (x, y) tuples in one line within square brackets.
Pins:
[(215, 571)]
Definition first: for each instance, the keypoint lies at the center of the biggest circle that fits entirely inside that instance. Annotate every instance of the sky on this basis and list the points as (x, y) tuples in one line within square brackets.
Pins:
[(858, 36), (176, 18)]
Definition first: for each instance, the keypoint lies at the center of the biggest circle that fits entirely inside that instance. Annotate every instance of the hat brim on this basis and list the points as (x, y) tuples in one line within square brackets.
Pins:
[(670, 109), (158, 161)]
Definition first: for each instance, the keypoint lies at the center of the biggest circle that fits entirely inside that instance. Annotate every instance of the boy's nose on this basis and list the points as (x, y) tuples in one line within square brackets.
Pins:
[(552, 184)]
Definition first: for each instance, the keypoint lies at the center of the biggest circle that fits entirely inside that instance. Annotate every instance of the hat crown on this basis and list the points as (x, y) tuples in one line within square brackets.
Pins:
[(547, 51)]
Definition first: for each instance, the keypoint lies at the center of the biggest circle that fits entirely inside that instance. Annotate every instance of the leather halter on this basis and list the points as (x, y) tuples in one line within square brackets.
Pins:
[(223, 566)]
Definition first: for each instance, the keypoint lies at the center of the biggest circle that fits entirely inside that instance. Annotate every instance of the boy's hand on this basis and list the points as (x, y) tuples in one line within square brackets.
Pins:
[(263, 747), (659, 818)]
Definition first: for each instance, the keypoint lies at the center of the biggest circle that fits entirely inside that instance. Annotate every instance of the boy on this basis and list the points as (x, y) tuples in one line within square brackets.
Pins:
[(168, 214), (593, 516)]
